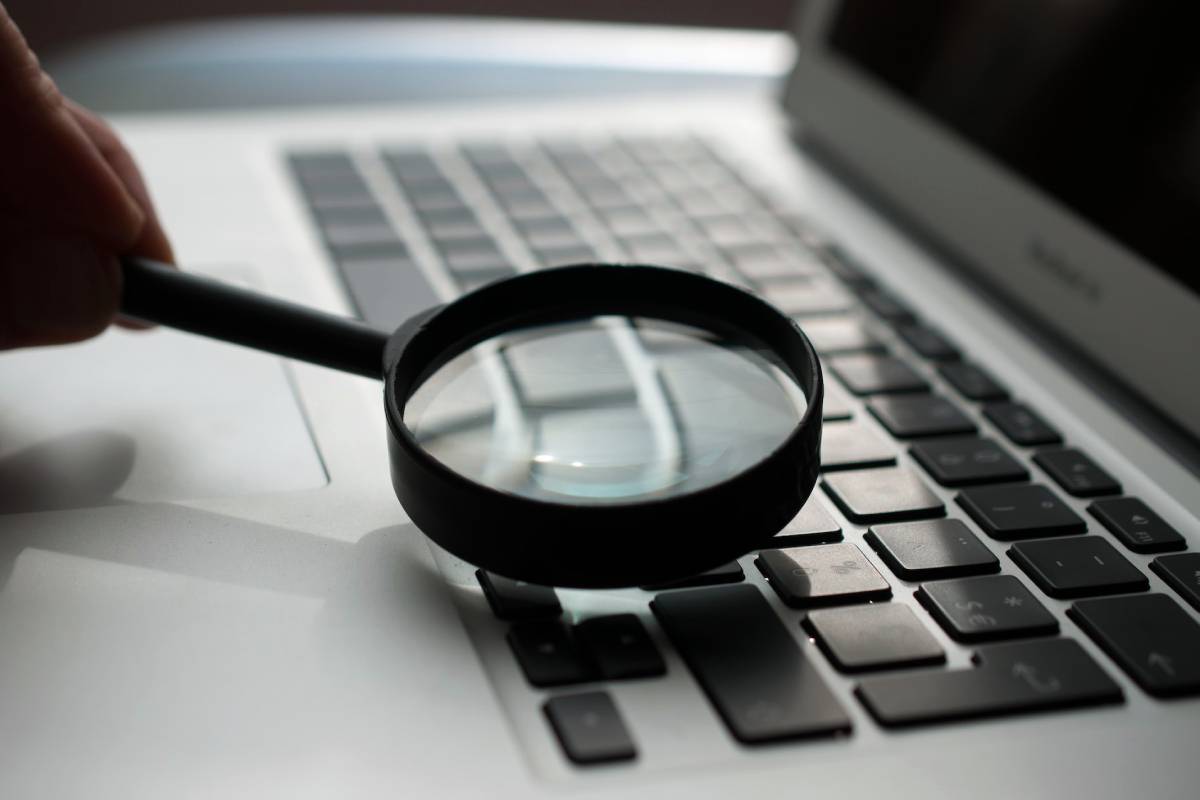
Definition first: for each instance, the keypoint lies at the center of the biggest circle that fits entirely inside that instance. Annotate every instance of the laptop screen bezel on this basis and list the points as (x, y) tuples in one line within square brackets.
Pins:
[(1137, 322)]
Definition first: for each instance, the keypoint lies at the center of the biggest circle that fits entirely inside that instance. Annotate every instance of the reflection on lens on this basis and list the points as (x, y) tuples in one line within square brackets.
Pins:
[(605, 410)]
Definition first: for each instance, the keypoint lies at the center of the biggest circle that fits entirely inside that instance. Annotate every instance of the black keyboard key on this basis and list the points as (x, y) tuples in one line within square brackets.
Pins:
[(968, 461), (1136, 525), (764, 263), (1076, 473), (840, 261), (972, 382), (837, 403), (749, 665), (989, 607), (820, 575), (1007, 679), (813, 525), (547, 653), (1182, 573), (1020, 424), (888, 494), (887, 306), (565, 256), (1153, 639), (836, 335), (619, 647), (852, 445), (808, 296), (873, 637), (908, 416), (875, 374), (387, 291), (726, 573), (347, 239), (517, 600), (928, 342), (930, 549), (589, 728), (1022, 511), (1077, 567)]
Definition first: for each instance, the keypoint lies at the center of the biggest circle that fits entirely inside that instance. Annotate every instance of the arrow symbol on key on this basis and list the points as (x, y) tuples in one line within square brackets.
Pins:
[(1024, 672), (1161, 662)]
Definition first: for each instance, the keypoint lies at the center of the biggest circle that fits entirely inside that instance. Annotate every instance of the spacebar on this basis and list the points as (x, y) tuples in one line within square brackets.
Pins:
[(749, 666)]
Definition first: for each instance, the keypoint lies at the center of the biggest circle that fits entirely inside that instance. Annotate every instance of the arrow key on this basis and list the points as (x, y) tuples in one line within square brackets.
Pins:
[(1150, 636)]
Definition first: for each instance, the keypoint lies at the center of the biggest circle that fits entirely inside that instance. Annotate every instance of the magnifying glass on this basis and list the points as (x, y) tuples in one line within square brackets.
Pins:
[(591, 426)]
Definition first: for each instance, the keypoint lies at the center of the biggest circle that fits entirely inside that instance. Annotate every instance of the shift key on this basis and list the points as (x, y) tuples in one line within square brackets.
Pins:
[(748, 664)]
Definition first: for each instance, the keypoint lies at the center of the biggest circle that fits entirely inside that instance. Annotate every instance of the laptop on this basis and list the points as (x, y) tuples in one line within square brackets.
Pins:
[(977, 213)]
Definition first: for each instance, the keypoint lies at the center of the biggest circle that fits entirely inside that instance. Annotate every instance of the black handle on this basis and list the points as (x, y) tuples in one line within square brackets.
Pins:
[(157, 293)]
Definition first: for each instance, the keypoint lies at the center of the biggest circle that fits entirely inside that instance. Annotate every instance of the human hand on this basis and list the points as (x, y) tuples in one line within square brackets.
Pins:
[(71, 201)]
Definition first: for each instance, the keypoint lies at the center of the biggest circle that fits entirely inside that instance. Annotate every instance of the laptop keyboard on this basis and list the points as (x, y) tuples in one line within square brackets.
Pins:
[(484, 211)]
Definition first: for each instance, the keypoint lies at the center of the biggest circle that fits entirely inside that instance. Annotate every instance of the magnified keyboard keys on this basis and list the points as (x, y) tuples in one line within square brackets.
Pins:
[(1076, 473), (589, 728), (972, 382), (516, 600), (823, 575), (874, 636), (1020, 424), (619, 647), (875, 374), (1023, 511), (989, 607), (850, 445), (1136, 525), (1182, 573), (1150, 636), (907, 416), (930, 549), (813, 525), (889, 494), (547, 653), (1007, 679), (967, 461), (749, 665), (928, 342)]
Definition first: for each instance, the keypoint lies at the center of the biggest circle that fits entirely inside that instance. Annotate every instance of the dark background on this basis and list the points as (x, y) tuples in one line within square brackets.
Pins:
[(52, 25)]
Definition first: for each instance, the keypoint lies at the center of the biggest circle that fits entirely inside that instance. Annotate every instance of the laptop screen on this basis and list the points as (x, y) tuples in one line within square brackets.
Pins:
[(1097, 102)]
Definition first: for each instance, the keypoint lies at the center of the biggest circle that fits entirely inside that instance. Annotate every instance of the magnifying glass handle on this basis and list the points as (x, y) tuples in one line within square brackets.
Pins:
[(155, 292)]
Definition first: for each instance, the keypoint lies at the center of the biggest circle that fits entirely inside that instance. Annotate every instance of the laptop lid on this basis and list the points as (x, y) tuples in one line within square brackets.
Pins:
[(1053, 147)]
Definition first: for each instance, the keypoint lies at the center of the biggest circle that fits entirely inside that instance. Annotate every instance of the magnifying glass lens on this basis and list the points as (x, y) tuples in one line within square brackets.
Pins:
[(605, 410)]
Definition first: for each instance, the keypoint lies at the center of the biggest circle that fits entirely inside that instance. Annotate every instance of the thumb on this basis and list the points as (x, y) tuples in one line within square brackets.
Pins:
[(55, 289)]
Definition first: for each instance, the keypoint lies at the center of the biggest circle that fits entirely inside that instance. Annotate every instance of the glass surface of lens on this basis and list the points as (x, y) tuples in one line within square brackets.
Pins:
[(605, 410)]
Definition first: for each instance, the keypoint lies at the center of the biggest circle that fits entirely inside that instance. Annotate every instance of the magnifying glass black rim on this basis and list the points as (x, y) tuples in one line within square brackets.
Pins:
[(612, 545)]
